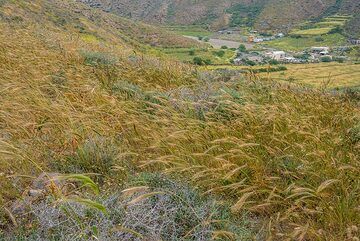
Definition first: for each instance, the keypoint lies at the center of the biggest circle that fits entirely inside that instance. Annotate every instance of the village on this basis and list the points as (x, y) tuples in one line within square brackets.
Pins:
[(312, 55), (259, 53)]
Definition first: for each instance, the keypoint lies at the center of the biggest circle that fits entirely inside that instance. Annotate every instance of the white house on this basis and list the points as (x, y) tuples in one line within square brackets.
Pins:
[(355, 41), (277, 55), (258, 40)]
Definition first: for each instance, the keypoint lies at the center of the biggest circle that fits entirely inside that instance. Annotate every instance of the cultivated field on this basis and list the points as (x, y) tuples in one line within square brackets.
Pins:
[(188, 54), (299, 44), (311, 34), (330, 74)]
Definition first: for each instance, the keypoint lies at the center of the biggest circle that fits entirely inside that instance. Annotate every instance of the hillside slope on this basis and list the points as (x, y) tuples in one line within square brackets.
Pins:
[(272, 14), (263, 159), (90, 24)]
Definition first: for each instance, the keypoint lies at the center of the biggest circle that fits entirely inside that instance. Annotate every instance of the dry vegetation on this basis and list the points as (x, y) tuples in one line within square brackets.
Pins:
[(288, 155), (333, 75)]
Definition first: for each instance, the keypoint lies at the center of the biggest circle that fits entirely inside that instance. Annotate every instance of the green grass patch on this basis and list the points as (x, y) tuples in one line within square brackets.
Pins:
[(189, 30), (188, 54), (89, 38), (298, 44), (312, 31)]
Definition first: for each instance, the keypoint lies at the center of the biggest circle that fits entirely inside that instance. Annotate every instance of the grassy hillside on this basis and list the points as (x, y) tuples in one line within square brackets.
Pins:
[(273, 15), (241, 158), (89, 24)]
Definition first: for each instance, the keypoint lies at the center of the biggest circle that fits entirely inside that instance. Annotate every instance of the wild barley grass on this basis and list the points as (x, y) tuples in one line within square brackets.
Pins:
[(288, 154), (165, 209)]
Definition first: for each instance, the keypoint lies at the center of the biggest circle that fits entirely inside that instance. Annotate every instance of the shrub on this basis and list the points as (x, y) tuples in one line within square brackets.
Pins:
[(192, 52), (153, 207), (337, 29), (207, 61), (297, 36), (339, 59), (325, 59), (281, 68), (95, 155), (264, 70), (319, 39), (198, 61), (273, 62), (206, 39), (200, 38), (224, 47), (219, 53), (242, 48), (249, 62)]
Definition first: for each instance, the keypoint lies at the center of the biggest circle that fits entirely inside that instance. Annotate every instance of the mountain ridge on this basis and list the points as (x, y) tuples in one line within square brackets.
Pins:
[(279, 15)]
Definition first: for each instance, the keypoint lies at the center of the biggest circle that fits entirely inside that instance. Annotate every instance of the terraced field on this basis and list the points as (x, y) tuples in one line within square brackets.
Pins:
[(299, 44), (326, 32), (331, 74), (207, 54)]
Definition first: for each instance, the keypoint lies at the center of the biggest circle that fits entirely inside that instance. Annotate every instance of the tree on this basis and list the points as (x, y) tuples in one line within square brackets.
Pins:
[(198, 61), (242, 48), (337, 29), (220, 53), (207, 61)]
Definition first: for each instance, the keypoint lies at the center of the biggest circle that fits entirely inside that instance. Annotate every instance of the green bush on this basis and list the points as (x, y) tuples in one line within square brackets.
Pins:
[(319, 39), (200, 38), (192, 52), (337, 29), (95, 155), (273, 62), (281, 68), (207, 61), (198, 61), (325, 59), (297, 36), (250, 62), (242, 48), (265, 70), (206, 39), (219, 53), (339, 59), (224, 47)]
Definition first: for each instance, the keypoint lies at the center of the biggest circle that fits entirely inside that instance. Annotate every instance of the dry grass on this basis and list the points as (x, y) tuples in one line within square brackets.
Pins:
[(337, 74), (289, 155)]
